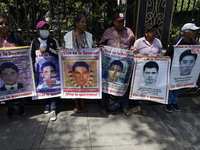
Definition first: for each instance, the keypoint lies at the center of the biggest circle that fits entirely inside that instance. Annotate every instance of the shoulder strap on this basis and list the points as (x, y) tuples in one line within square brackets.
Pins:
[(16, 38), (36, 44)]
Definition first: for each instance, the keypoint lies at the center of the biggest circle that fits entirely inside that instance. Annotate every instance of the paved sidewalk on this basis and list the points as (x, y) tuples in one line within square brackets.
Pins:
[(159, 130)]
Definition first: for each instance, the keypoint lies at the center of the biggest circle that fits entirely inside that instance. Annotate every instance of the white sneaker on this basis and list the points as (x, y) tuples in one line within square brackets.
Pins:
[(46, 109), (53, 115)]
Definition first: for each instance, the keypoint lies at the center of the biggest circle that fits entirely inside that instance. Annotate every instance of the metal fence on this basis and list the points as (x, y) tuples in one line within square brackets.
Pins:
[(185, 11), (24, 15), (60, 14)]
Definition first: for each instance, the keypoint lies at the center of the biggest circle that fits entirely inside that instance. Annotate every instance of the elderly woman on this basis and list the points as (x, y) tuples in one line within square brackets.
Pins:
[(10, 39), (79, 38), (188, 33), (148, 45)]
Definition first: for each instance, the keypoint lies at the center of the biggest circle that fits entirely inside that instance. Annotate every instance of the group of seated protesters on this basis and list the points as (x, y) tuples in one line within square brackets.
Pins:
[(117, 36)]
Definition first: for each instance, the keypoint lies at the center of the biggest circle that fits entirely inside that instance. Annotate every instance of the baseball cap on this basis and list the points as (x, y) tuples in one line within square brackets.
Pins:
[(149, 26), (41, 24), (189, 26), (119, 16)]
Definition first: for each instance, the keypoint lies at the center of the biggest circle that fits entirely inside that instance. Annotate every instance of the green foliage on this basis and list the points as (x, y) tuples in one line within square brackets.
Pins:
[(185, 11)]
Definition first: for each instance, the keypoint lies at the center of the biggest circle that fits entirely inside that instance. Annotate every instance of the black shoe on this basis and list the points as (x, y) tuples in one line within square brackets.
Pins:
[(10, 112), (168, 108), (22, 110), (176, 108)]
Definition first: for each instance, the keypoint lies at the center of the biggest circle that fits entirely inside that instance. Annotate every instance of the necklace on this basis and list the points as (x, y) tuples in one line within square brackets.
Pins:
[(5, 41)]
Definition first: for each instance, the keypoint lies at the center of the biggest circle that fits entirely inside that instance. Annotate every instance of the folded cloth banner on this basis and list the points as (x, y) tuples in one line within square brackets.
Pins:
[(80, 72), (185, 66), (150, 80), (117, 65), (48, 76), (16, 74)]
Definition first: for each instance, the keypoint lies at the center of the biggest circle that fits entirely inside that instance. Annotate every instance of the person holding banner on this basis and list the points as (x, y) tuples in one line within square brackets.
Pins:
[(188, 32), (148, 45), (121, 37), (46, 44), (79, 38), (10, 39)]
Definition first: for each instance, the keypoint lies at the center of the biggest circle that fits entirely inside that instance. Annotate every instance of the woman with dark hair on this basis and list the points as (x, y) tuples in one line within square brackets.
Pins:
[(79, 38), (10, 39), (188, 32)]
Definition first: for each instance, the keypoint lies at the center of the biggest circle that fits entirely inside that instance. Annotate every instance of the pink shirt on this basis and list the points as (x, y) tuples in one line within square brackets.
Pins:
[(143, 47), (110, 38), (9, 42)]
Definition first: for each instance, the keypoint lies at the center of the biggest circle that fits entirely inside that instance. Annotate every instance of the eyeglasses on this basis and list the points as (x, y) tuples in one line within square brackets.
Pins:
[(1, 23)]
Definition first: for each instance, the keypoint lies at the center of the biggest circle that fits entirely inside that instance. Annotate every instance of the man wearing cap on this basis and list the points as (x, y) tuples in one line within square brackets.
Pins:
[(188, 32), (118, 36), (45, 44), (148, 45), (121, 37)]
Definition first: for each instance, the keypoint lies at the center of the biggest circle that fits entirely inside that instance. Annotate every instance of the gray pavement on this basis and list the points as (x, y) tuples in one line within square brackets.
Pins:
[(159, 130)]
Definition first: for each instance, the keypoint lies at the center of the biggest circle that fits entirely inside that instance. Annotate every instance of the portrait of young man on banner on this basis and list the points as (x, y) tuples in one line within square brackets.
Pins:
[(49, 75), (80, 73), (117, 66), (9, 74), (185, 69), (187, 61), (150, 73), (48, 72), (16, 77), (116, 71), (150, 79)]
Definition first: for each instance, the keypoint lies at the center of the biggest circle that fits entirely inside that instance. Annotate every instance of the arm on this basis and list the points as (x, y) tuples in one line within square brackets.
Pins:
[(160, 48)]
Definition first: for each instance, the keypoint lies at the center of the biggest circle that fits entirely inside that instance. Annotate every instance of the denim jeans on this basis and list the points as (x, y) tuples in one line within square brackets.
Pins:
[(144, 103), (124, 100), (173, 94), (10, 103), (51, 102)]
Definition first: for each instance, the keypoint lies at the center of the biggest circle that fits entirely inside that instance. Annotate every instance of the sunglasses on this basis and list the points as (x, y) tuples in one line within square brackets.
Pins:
[(1, 23)]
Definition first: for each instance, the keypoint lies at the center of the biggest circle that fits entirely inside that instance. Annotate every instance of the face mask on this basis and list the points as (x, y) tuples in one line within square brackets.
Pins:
[(44, 33)]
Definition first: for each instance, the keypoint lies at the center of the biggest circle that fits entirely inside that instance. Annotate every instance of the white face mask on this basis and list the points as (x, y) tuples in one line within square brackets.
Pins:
[(44, 33)]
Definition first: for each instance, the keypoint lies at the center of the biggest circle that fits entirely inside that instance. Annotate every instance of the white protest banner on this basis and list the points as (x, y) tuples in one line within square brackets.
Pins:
[(80, 73), (117, 65), (185, 66), (48, 76), (16, 73), (150, 79)]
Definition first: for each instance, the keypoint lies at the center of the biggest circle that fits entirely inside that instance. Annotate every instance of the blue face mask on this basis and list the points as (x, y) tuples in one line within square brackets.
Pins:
[(44, 33)]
